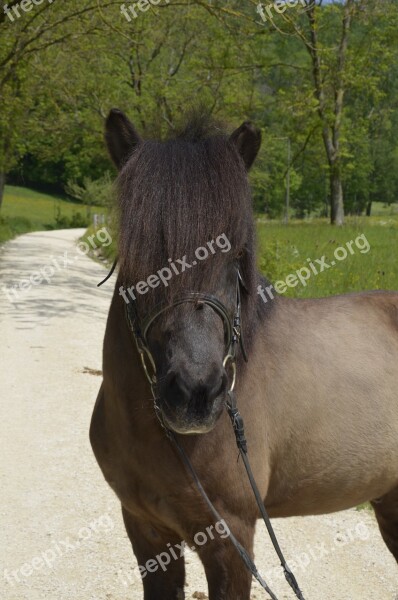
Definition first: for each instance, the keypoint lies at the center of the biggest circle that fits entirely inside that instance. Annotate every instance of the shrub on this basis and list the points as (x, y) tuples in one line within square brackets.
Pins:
[(91, 191), (12, 226)]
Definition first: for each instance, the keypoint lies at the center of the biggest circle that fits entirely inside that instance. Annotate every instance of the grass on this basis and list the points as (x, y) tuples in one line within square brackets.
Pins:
[(13, 226), (104, 253), (364, 506), (285, 249), (25, 210), (282, 250)]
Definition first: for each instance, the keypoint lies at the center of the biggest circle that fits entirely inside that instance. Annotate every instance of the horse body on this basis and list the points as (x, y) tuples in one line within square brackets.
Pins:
[(329, 397), (319, 398)]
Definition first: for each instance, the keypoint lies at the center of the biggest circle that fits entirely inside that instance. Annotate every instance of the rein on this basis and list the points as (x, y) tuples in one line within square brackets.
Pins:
[(233, 338)]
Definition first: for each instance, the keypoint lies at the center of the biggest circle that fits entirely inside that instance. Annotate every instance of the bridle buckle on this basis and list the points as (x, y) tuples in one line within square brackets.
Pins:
[(230, 359), (146, 354)]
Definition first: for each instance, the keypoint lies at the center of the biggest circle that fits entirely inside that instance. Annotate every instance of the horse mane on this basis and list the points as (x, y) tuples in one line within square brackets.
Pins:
[(175, 196)]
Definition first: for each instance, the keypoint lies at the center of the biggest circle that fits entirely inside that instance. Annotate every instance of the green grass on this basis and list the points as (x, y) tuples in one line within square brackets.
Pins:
[(364, 506), (13, 226), (284, 249), (380, 209), (25, 210)]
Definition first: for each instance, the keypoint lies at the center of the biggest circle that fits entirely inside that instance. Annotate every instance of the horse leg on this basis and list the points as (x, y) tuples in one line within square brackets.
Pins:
[(386, 509), (149, 544), (227, 576)]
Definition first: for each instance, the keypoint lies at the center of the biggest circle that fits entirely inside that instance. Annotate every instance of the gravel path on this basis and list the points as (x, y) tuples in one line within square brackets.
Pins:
[(62, 530)]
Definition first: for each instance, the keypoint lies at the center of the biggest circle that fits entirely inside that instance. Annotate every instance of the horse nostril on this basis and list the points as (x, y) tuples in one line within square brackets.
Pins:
[(223, 385), (218, 389), (174, 389), (178, 390), (171, 380)]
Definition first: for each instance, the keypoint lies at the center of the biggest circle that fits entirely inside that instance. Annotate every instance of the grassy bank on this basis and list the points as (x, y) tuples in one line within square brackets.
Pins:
[(13, 226), (105, 253), (25, 210)]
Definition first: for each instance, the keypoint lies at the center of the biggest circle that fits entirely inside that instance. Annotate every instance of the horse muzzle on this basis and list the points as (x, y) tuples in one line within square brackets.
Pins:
[(192, 407)]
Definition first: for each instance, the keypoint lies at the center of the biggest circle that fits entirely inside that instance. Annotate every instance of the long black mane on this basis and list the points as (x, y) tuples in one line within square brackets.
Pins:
[(178, 194)]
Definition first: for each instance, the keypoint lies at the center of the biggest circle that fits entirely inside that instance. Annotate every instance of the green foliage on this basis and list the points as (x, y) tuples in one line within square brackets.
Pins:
[(13, 226), (64, 222), (63, 66), (104, 253), (98, 192)]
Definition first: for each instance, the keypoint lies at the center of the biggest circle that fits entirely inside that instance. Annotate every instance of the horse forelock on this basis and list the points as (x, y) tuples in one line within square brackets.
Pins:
[(177, 196)]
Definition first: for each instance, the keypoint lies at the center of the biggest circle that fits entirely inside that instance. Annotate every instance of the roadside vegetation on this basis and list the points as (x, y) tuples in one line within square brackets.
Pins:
[(284, 249), (25, 210)]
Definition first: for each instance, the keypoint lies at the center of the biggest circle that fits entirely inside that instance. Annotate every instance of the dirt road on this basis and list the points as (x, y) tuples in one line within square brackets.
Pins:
[(62, 530)]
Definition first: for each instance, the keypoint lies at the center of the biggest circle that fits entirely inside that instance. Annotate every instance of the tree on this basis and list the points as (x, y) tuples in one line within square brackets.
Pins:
[(316, 77), (325, 31), (22, 39)]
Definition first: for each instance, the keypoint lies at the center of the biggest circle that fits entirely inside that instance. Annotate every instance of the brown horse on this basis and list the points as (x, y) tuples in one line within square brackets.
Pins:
[(319, 393)]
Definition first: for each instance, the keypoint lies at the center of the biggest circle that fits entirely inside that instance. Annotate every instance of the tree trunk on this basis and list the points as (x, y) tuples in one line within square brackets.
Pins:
[(369, 208), (2, 184), (336, 197), (331, 130)]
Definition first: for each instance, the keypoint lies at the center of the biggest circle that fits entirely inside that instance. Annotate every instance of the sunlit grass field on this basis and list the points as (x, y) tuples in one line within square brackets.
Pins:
[(283, 249), (25, 210)]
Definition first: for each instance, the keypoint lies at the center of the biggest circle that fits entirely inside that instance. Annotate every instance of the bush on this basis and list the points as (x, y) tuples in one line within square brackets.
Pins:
[(103, 253), (13, 226), (76, 220), (92, 192)]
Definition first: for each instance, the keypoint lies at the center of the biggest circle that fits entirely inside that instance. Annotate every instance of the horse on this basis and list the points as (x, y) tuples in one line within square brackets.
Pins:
[(318, 393)]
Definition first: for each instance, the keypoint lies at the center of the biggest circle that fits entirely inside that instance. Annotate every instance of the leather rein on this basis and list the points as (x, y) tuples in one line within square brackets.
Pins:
[(233, 339)]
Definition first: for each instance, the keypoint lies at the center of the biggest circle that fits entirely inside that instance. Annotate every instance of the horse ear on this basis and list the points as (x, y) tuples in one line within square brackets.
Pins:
[(247, 139), (121, 137)]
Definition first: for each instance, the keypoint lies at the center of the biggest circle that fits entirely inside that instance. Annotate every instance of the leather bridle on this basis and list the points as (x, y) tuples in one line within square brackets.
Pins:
[(232, 329), (233, 338)]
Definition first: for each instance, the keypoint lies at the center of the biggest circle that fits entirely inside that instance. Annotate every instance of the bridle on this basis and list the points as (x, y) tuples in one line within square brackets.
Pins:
[(233, 338), (232, 329)]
